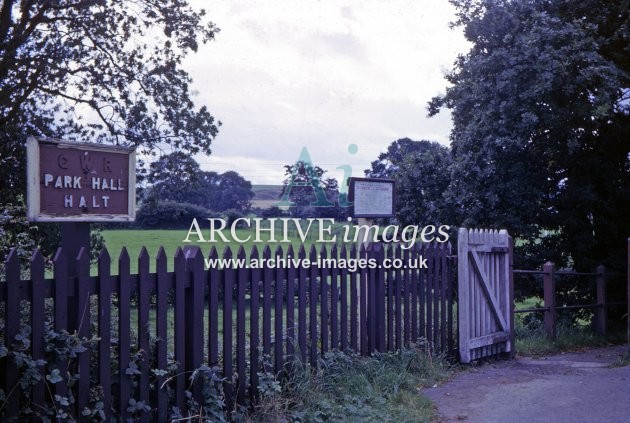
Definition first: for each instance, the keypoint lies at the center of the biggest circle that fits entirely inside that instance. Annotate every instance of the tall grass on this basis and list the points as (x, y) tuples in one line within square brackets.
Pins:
[(383, 387), (531, 338)]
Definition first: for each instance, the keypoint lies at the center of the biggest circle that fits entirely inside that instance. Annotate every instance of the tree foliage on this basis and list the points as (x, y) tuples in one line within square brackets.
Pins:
[(177, 177), (234, 192), (310, 194), (95, 71), (172, 177), (421, 170), (541, 113), (103, 70), (169, 215)]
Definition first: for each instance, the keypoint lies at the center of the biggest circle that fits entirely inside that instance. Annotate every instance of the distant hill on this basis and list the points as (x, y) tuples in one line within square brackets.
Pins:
[(266, 195)]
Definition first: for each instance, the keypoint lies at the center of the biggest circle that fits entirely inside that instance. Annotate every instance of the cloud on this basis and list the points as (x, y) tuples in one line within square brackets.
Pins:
[(286, 74)]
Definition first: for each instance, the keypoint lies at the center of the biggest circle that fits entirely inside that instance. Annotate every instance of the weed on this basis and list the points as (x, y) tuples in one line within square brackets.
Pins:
[(348, 387), (622, 361), (531, 338)]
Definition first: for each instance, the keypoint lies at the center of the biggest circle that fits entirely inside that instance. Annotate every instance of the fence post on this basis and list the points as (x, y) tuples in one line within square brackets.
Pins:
[(601, 316), (549, 285), (193, 316), (379, 300), (512, 352), (74, 235), (371, 294)]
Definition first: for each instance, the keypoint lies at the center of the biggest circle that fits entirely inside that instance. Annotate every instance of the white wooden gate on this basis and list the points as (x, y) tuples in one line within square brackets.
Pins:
[(485, 293)]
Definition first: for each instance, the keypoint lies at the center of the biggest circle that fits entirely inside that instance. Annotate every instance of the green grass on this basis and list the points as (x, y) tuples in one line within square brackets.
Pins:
[(622, 361), (383, 387), (170, 319), (267, 192), (531, 302), (264, 204), (171, 239), (567, 339), (531, 339), (265, 196)]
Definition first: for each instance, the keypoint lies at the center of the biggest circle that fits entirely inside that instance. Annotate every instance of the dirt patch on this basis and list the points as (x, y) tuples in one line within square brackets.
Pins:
[(570, 387)]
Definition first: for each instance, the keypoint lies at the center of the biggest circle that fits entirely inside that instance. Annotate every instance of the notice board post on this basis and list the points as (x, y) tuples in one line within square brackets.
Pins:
[(372, 198), (74, 184)]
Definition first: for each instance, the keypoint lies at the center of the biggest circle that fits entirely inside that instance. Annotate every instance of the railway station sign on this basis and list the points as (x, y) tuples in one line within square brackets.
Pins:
[(80, 182)]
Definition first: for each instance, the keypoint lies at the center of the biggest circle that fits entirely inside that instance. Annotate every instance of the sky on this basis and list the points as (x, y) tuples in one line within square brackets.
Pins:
[(282, 75)]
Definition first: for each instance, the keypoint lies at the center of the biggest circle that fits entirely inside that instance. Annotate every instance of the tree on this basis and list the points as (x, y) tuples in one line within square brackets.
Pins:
[(173, 177), (421, 170), (177, 177), (541, 122), (307, 193), (388, 162), (235, 192), (206, 192), (121, 60), (97, 70), (169, 215)]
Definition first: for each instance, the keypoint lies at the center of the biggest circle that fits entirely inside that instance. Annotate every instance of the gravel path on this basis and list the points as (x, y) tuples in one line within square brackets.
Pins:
[(571, 387)]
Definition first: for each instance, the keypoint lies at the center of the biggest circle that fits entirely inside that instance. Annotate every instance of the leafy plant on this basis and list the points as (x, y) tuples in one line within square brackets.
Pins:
[(348, 387)]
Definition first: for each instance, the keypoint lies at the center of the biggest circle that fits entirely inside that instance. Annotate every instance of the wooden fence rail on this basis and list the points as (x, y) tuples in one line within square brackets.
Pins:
[(139, 337), (550, 307)]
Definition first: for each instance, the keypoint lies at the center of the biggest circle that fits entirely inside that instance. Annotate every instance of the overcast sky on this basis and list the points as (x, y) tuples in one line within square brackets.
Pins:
[(282, 75)]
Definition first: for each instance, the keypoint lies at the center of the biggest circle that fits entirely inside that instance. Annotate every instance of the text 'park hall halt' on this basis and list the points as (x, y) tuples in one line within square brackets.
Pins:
[(70, 181)]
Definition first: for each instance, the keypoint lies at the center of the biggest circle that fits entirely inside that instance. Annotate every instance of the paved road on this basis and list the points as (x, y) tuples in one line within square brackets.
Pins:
[(571, 388)]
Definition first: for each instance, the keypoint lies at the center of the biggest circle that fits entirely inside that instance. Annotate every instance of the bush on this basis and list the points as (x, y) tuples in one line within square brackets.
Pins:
[(169, 215), (272, 212), (17, 232), (230, 215)]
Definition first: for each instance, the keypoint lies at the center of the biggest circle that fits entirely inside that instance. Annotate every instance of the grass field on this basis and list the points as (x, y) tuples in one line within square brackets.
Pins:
[(171, 239), (267, 192), (265, 196)]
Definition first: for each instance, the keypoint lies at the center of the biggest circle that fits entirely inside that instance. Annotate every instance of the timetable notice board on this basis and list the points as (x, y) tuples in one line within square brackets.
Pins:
[(372, 198)]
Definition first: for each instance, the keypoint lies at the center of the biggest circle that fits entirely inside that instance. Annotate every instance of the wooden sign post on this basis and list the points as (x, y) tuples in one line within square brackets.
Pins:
[(372, 198), (74, 184)]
